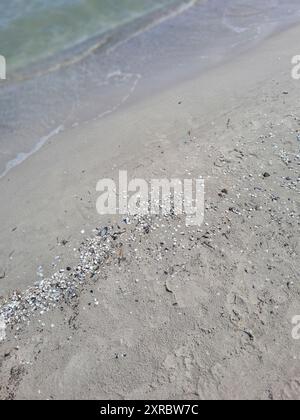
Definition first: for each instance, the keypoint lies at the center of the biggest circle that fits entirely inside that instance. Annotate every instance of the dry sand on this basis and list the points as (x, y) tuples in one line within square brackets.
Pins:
[(205, 316)]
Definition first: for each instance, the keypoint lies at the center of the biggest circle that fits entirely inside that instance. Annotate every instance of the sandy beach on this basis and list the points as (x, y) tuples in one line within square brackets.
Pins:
[(165, 311)]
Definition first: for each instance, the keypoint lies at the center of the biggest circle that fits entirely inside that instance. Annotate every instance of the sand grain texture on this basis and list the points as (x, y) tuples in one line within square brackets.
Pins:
[(180, 312)]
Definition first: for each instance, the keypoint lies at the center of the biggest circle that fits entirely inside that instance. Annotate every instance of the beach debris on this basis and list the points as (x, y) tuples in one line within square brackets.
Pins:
[(147, 229), (120, 355), (234, 210), (241, 193), (298, 137), (2, 328), (103, 232), (2, 275), (249, 334), (40, 272), (46, 294), (66, 284), (223, 192), (168, 288)]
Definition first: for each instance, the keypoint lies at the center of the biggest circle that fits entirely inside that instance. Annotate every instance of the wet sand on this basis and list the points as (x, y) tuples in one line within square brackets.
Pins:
[(205, 316), (122, 67)]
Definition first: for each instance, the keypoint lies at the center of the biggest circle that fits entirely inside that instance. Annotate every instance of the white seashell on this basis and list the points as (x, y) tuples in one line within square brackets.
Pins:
[(2, 328)]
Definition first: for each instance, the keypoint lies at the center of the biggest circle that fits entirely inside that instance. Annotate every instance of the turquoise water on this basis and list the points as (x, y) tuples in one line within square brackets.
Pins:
[(35, 29)]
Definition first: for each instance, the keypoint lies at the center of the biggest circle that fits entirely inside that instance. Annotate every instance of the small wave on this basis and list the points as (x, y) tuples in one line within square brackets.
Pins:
[(21, 157), (233, 28)]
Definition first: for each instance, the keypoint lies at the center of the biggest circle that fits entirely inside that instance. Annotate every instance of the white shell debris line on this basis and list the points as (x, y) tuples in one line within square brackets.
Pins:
[(66, 284)]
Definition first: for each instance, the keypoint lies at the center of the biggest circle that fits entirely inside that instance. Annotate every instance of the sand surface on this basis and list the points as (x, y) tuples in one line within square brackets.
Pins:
[(170, 312)]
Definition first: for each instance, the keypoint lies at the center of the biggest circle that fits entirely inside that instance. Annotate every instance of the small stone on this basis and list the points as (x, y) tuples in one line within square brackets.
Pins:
[(103, 232)]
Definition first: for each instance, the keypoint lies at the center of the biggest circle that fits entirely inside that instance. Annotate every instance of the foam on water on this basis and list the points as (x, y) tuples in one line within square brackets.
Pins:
[(21, 157), (158, 47)]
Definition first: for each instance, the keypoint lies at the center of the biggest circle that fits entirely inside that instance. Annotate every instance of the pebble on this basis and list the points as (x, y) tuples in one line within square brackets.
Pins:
[(103, 232)]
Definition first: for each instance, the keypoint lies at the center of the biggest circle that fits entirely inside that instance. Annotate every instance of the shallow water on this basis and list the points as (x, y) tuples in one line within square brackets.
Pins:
[(35, 29), (138, 62)]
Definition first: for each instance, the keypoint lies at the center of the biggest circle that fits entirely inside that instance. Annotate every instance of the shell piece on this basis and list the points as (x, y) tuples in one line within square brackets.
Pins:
[(2, 328)]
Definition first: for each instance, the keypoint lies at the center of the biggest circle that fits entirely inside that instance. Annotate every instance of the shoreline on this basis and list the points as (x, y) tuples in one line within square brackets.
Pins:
[(115, 87), (176, 318), (177, 121)]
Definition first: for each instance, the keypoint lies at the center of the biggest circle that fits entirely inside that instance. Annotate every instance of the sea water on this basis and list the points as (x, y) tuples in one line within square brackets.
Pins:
[(164, 41), (35, 29)]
